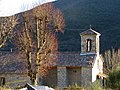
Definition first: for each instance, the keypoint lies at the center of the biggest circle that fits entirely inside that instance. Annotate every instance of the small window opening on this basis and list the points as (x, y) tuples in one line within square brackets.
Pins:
[(89, 45)]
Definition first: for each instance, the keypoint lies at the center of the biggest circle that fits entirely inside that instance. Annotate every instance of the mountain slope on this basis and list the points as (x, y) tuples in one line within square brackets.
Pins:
[(103, 15)]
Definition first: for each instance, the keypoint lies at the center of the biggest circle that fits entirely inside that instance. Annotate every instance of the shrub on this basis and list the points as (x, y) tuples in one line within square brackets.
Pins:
[(113, 80), (94, 86)]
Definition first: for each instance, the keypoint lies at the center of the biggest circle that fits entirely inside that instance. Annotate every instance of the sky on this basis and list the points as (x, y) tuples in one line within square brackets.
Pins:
[(11, 7)]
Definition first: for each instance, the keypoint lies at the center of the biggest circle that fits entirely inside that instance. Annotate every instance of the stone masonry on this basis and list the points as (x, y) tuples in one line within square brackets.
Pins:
[(83, 43), (94, 37), (86, 76), (61, 77)]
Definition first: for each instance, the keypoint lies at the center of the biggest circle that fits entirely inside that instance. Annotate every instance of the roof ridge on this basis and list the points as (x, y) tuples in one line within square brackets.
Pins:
[(90, 32)]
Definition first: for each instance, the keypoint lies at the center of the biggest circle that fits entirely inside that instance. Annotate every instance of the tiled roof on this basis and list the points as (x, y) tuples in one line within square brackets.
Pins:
[(75, 59), (89, 32), (10, 63)]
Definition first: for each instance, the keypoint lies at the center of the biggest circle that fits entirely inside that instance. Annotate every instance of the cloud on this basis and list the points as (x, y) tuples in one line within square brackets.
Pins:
[(11, 7)]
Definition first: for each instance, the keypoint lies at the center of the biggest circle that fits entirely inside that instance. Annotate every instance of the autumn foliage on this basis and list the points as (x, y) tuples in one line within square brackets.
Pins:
[(36, 37), (7, 25)]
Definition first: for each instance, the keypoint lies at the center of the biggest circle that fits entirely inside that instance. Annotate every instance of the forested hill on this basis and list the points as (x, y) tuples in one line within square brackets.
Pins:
[(103, 15)]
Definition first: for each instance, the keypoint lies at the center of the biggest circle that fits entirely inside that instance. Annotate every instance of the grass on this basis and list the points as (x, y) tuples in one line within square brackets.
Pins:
[(4, 88), (17, 81), (94, 86)]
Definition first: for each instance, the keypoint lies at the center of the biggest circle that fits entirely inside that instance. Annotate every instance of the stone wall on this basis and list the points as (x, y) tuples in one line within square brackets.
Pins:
[(95, 43), (61, 77), (14, 80), (51, 78), (86, 76), (74, 76)]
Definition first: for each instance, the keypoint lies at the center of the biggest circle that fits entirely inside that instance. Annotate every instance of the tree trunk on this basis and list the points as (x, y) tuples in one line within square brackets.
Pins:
[(34, 75), (30, 72), (36, 72)]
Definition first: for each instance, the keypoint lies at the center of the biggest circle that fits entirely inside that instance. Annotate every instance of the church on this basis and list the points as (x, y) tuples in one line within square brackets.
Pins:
[(81, 68)]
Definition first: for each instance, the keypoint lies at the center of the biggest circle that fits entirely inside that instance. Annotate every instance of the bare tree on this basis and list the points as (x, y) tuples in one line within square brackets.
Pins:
[(111, 60), (6, 27), (38, 38), (48, 19)]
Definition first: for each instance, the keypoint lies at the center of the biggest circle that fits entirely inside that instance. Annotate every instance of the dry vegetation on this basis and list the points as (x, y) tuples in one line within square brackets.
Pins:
[(36, 38)]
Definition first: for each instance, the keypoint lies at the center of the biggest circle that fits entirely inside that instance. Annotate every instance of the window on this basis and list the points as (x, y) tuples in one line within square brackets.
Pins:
[(89, 45)]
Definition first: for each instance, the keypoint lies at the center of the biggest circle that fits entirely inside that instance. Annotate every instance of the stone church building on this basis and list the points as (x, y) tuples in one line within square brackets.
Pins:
[(70, 67), (78, 67)]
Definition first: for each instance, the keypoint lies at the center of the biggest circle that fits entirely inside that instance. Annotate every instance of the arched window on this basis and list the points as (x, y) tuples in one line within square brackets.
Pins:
[(89, 45)]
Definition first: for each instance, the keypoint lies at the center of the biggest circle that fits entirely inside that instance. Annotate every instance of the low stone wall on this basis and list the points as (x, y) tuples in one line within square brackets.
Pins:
[(14, 80)]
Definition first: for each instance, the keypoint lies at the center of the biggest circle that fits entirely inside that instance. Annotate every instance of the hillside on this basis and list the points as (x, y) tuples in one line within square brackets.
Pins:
[(103, 15)]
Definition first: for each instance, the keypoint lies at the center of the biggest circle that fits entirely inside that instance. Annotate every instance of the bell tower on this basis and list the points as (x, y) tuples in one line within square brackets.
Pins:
[(89, 42)]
